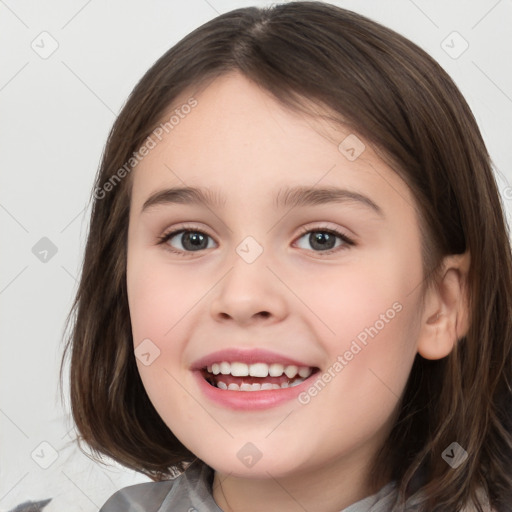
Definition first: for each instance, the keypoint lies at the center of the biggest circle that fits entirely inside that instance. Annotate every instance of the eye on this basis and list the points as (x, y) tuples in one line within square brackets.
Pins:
[(323, 239), (190, 239)]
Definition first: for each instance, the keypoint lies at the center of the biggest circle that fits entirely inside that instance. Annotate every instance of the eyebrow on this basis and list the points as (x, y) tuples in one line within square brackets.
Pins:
[(291, 197)]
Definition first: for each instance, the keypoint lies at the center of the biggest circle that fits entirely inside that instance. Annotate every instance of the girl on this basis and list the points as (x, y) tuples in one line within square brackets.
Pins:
[(296, 292)]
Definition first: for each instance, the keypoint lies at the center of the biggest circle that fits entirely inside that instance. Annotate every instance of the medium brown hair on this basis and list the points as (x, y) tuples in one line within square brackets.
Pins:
[(395, 96)]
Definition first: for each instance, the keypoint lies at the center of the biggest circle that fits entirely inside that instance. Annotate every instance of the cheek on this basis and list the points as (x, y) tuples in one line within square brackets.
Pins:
[(369, 316), (363, 294), (159, 297)]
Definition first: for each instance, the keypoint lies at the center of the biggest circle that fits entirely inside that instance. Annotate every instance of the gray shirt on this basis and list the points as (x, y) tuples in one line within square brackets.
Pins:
[(192, 492)]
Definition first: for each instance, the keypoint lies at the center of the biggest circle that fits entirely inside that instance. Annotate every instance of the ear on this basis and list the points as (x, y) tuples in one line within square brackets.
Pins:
[(445, 318)]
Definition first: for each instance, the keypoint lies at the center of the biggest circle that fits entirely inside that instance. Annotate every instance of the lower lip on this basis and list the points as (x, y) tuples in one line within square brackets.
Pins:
[(249, 400)]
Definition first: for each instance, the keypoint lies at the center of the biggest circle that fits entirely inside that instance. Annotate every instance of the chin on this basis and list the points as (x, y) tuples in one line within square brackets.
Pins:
[(250, 463)]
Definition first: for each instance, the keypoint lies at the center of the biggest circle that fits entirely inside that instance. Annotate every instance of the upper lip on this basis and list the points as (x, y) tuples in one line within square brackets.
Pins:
[(247, 356)]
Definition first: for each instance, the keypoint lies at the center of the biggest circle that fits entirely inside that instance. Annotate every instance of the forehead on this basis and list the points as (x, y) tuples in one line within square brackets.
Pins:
[(238, 137)]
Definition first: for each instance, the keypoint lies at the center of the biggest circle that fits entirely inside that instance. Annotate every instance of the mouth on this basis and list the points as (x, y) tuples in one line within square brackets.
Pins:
[(254, 377), (251, 379)]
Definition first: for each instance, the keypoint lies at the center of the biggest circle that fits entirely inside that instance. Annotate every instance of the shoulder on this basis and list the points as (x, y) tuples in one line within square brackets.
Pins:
[(191, 490), (484, 502), (149, 495), (416, 502)]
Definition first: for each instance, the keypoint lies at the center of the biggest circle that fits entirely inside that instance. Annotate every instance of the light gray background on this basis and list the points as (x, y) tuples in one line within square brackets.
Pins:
[(56, 115)]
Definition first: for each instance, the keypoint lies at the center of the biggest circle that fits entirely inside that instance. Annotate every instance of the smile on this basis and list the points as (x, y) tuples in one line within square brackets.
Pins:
[(237, 376), (251, 379)]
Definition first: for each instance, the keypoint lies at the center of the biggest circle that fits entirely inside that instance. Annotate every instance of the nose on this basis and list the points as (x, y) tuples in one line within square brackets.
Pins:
[(249, 293)]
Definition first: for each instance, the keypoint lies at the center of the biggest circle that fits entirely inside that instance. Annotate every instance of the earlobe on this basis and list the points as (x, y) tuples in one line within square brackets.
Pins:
[(446, 313)]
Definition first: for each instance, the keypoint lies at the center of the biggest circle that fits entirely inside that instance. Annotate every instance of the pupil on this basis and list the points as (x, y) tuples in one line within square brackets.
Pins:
[(195, 240), (325, 240)]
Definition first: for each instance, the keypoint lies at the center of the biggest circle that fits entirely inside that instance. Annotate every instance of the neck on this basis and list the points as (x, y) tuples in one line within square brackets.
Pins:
[(325, 488)]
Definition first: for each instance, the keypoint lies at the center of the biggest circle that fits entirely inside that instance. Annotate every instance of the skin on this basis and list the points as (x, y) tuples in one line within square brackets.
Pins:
[(291, 299)]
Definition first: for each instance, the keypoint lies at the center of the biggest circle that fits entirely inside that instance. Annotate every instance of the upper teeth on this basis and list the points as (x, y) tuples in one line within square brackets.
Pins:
[(259, 370)]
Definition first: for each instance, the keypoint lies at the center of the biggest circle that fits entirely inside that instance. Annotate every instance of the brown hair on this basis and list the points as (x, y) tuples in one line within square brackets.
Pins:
[(393, 94)]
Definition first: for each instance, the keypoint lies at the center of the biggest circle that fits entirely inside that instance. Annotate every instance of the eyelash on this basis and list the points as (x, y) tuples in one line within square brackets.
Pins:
[(320, 229)]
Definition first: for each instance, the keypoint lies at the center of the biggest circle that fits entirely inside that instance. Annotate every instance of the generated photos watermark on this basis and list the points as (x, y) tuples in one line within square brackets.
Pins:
[(150, 143), (344, 359)]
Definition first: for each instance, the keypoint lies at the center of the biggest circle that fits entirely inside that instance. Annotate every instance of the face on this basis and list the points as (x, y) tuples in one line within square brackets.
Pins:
[(303, 304)]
